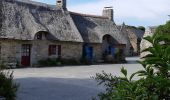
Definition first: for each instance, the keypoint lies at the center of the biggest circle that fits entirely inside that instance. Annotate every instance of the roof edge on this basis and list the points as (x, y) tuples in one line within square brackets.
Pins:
[(89, 15)]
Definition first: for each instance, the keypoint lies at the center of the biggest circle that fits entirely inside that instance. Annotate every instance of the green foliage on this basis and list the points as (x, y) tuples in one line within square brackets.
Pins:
[(8, 88), (141, 28), (155, 81), (49, 62), (164, 29), (57, 62), (70, 62)]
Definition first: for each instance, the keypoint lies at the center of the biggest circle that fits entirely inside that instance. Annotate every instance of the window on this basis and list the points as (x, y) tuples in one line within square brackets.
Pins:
[(55, 50), (39, 36)]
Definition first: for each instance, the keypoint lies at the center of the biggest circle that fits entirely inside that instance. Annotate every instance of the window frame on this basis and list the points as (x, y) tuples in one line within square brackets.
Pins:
[(39, 36), (54, 50)]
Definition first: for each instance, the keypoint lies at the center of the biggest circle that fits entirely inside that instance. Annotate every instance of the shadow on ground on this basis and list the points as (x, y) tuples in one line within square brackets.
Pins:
[(57, 89)]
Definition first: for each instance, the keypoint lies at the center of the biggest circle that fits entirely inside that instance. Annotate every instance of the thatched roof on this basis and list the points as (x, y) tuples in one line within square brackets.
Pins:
[(22, 19), (133, 34), (93, 28)]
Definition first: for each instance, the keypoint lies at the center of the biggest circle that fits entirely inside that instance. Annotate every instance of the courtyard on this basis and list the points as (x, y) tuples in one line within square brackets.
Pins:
[(66, 83)]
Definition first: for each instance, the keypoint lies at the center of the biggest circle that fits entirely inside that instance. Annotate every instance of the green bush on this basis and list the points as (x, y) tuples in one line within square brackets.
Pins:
[(49, 62), (70, 62), (155, 81), (85, 61), (57, 62), (8, 88), (164, 29)]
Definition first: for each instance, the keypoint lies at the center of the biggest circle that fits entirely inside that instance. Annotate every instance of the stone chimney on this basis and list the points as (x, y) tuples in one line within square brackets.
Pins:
[(108, 12), (62, 4)]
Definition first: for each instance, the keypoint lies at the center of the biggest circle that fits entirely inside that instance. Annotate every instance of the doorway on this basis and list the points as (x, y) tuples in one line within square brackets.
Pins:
[(88, 52), (26, 55)]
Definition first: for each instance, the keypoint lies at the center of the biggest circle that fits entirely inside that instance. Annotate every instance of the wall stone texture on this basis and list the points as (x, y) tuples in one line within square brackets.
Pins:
[(11, 50)]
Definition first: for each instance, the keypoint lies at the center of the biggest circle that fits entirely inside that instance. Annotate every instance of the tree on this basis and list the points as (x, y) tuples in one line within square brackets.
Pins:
[(141, 28), (164, 29)]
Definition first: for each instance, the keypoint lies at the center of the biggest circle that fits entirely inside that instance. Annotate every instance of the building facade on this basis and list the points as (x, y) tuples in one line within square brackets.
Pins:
[(133, 36), (32, 31)]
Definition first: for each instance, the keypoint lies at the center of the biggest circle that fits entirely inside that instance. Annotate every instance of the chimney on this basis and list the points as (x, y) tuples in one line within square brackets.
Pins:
[(62, 4), (108, 12)]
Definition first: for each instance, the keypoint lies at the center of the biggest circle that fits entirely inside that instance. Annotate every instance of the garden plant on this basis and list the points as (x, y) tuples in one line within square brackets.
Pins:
[(154, 80), (8, 88)]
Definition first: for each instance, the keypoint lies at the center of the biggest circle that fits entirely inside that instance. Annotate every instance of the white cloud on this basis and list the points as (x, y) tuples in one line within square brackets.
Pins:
[(134, 12), (153, 11)]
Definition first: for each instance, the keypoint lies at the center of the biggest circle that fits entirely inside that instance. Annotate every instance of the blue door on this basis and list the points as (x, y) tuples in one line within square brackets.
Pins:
[(113, 51), (89, 53)]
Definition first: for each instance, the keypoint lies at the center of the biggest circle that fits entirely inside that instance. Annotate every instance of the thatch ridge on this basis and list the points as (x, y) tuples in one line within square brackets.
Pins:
[(33, 3), (93, 29), (23, 19)]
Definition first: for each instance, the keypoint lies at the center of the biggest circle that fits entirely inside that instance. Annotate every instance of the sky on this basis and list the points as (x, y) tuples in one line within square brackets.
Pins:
[(132, 12)]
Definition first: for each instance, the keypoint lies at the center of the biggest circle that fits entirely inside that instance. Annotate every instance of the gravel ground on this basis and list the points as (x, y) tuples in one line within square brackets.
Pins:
[(65, 83)]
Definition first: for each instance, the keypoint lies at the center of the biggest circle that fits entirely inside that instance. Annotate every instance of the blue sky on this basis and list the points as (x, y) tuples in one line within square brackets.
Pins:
[(132, 12)]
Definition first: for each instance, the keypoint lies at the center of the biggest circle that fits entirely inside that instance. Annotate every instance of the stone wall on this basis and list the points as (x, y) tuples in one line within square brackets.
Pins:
[(134, 37), (11, 50), (69, 50), (97, 51)]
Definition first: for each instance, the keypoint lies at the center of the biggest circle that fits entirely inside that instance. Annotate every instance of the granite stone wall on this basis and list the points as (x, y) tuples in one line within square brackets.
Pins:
[(97, 51), (11, 50)]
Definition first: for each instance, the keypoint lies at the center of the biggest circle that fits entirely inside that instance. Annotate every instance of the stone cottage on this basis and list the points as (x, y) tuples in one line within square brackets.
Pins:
[(133, 39), (31, 31)]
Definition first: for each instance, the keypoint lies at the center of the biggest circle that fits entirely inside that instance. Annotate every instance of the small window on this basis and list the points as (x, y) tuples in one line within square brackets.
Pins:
[(55, 50), (39, 36)]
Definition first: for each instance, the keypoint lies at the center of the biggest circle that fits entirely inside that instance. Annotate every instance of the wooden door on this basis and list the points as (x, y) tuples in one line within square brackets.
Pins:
[(26, 55)]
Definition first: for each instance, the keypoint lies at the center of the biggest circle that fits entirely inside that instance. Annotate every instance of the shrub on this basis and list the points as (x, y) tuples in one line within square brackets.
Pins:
[(49, 62), (155, 81), (70, 62), (8, 88), (164, 29), (86, 61), (57, 62)]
